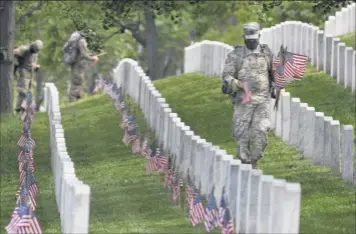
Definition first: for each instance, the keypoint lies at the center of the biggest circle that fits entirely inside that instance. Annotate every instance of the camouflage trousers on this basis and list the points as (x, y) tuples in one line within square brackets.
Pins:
[(77, 83), (23, 83), (250, 128)]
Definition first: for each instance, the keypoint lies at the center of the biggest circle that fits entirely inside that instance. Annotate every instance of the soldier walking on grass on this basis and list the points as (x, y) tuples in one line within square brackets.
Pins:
[(77, 56), (27, 63), (248, 71)]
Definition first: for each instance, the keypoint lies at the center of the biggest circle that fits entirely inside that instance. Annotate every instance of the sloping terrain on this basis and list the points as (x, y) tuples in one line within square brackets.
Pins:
[(328, 204), (46, 210), (126, 199)]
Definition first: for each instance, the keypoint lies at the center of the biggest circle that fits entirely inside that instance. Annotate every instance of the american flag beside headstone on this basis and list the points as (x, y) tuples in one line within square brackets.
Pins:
[(225, 218), (136, 145), (196, 209), (176, 187), (211, 214), (163, 160), (189, 192)]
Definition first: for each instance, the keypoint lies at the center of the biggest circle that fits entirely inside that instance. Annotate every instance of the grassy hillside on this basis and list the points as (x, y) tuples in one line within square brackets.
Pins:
[(46, 210), (327, 203)]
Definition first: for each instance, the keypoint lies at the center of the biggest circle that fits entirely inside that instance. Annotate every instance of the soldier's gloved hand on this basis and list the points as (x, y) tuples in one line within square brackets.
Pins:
[(234, 85)]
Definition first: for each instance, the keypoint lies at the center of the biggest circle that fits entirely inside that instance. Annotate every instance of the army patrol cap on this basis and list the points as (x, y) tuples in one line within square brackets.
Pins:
[(252, 30), (38, 44)]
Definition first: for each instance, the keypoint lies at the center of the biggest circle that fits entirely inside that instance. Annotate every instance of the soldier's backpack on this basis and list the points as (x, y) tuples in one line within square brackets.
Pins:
[(70, 52)]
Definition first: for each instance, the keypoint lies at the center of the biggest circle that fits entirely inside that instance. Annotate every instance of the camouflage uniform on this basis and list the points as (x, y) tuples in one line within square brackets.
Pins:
[(27, 58), (78, 71), (250, 120)]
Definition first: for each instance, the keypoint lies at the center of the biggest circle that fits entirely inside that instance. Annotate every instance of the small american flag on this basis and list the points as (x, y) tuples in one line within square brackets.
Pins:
[(163, 161), (107, 89), (33, 189), (29, 157), (23, 175), (188, 192), (222, 211), (24, 223), (211, 214), (125, 119), (15, 218), (228, 226), (117, 105), (136, 145), (151, 161), (35, 225), (294, 68), (98, 86), (168, 179), (22, 141), (125, 139), (131, 123), (176, 188), (132, 135), (196, 210), (144, 146), (26, 126)]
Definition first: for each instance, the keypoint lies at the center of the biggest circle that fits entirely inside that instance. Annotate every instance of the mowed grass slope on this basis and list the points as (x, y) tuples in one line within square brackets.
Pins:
[(124, 198), (328, 204), (46, 210)]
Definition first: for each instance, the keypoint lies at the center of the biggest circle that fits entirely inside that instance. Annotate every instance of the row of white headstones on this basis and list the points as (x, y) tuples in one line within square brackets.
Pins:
[(325, 52), (72, 195), (343, 22), (314, 134), (259, 203)]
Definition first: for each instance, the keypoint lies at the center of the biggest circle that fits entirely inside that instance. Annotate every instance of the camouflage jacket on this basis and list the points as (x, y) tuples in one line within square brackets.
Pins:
[(26, 60), (83, 56), (233, 65)]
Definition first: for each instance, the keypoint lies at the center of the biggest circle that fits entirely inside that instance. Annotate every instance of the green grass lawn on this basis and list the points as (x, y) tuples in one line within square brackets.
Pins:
[(349, 39), (46, 210), (328, 204)]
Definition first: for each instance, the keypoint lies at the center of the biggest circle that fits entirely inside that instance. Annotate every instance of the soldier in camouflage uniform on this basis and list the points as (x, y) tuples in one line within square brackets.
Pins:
[(252, 63), (27, 63), (78, 69)]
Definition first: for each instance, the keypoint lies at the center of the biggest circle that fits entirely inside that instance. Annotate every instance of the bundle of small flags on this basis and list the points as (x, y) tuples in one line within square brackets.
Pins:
[(23, 219), (289, 66)]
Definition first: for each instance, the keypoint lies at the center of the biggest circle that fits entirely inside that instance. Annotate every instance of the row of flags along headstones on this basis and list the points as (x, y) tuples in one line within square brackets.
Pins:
[(23, 219), (158, 161)]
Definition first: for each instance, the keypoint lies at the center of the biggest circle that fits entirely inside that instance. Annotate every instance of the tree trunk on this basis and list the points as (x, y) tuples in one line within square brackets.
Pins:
[(151, 43), (7, 38)]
